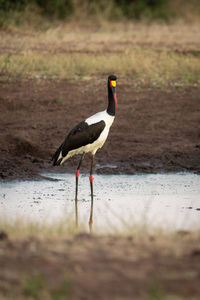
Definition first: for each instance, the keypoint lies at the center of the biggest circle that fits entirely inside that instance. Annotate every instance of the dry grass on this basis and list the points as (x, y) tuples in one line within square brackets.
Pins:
[(147, 66), (21, 228), (155, 54)]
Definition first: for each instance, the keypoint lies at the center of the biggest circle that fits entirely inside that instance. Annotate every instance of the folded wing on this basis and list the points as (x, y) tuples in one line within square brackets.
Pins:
[(81, 135)]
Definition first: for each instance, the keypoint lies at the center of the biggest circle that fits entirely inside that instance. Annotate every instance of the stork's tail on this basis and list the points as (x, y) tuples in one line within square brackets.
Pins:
[(56, 160)]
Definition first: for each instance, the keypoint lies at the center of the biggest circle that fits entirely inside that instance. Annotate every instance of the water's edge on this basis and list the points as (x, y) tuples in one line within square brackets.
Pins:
[(167, 200)]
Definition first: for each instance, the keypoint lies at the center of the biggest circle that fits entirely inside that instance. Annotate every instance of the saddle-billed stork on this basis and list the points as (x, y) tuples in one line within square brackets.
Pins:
[(88, 136)]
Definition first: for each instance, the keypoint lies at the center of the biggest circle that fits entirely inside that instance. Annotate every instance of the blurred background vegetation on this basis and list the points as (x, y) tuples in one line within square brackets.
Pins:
[(34, 12)]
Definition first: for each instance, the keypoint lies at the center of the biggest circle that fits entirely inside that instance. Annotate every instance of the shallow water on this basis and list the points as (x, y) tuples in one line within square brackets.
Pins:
[(165, 200)]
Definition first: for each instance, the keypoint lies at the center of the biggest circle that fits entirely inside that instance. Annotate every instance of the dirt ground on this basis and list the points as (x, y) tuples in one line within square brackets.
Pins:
[(96, 267), (154, 130)]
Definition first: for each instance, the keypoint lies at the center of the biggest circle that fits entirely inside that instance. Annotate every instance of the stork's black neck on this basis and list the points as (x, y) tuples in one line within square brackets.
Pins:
[(111, 102)]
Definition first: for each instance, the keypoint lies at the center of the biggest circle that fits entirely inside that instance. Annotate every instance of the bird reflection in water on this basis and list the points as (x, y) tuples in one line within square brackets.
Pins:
[(91, 213)]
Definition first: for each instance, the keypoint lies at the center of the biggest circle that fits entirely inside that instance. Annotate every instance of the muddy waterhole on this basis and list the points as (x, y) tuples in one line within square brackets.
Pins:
[(169, 201)]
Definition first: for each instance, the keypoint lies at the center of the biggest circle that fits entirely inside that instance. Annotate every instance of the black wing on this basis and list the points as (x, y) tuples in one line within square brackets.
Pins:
[(81, 135)]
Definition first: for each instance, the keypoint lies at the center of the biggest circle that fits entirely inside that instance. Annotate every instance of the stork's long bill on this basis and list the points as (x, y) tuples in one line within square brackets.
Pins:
[(115, 98)]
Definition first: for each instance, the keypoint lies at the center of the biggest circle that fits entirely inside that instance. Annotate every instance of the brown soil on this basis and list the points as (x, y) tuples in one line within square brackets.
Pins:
[(92, 267), (154, 130)]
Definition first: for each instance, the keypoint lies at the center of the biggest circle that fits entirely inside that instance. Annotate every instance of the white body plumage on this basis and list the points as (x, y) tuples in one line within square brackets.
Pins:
[(100, 116)]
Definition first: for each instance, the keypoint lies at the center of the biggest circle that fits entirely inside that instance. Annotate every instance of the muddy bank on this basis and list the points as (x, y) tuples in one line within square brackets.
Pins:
[(92, 267), (154, 130)]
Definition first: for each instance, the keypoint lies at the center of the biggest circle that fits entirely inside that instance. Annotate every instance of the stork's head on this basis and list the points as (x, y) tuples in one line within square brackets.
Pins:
[(112, 84), (112, 80)]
